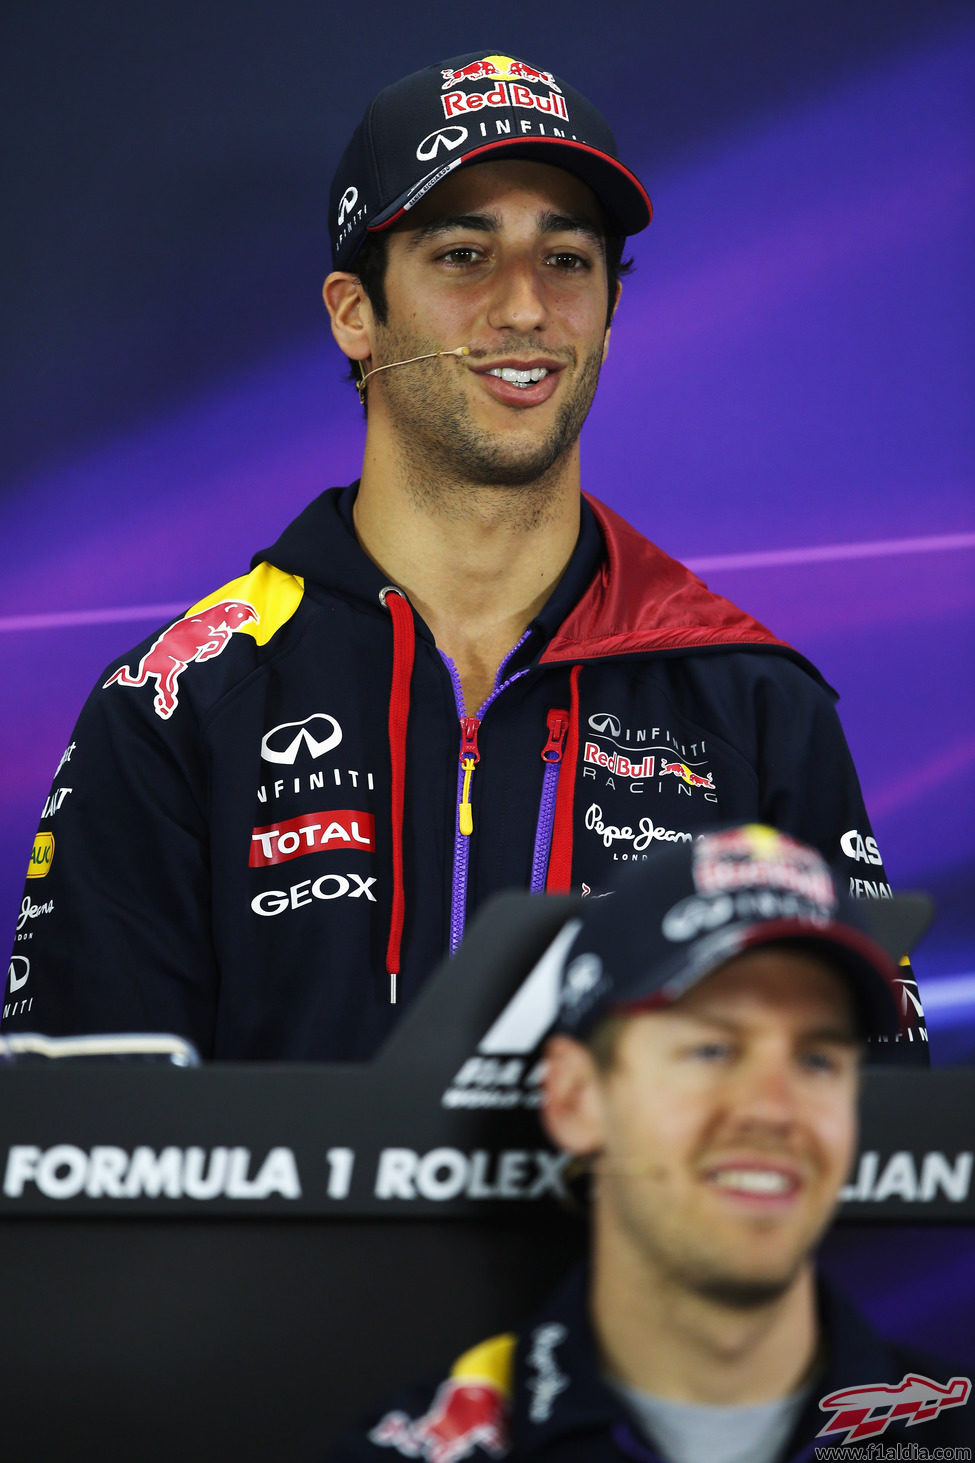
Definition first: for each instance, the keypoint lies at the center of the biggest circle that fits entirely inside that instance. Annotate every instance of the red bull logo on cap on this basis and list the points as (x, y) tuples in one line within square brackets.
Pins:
[(515, 80), (464, 1415), (200, 636), (499, 68), (758, 856)]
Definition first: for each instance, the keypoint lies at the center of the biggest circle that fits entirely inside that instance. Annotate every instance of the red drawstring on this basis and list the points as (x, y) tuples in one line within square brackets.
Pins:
[(559, 880), (399, 715)]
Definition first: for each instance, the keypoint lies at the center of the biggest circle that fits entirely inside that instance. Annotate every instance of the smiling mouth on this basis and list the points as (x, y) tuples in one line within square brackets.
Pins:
[(752, 1180), (519, 378)]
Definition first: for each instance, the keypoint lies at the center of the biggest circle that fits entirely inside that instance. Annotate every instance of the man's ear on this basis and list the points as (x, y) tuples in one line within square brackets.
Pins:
[(616, 302), (572, 1109), (351, 314)]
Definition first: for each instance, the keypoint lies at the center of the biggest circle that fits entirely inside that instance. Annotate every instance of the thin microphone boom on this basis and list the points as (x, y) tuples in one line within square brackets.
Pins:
[(461, 350)]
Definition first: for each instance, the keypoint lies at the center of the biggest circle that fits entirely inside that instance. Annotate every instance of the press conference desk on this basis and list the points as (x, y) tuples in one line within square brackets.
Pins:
[(230, 1262)]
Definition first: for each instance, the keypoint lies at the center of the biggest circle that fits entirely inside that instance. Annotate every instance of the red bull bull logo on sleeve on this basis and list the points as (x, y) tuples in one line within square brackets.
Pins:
[(462, 1417), (470, 1410), (197, 636)]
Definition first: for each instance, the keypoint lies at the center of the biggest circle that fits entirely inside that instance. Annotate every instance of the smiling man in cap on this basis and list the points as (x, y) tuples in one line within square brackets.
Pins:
[(714, 1014), (458, 674)]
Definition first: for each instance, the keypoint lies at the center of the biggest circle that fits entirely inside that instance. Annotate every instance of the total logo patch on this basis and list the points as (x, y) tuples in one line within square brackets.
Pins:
[(277, 843)]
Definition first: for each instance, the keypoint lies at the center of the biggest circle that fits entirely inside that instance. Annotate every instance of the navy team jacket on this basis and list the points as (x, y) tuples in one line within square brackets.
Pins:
[(540, 1394), (275, 816)]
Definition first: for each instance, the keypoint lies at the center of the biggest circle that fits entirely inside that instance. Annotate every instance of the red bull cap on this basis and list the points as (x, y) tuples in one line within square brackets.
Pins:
[(675, 918), (470, 109)]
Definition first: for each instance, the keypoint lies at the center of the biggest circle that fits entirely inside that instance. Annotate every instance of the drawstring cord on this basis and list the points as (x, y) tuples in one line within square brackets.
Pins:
[(404, 644), (559, 879)]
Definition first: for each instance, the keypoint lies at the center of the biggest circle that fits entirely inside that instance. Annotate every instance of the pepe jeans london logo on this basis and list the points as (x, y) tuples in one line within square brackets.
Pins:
[(546, 1379)]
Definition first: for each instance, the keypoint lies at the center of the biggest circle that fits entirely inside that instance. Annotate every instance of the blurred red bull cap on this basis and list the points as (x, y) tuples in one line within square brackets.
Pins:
[(473, 108), (690, 907)]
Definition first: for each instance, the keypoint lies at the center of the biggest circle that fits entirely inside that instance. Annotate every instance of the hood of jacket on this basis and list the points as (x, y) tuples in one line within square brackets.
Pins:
[(640, 601)]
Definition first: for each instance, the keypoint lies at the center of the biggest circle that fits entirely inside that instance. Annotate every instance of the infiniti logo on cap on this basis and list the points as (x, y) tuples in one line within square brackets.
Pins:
[(346, 204), (448, 137)]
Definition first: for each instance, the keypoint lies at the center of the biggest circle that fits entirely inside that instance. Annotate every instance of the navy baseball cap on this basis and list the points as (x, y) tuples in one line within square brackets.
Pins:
[(690, 907), (472, 109)]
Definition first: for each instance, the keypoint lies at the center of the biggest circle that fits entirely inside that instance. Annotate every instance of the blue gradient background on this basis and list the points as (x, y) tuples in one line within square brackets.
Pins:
[(787, 404)]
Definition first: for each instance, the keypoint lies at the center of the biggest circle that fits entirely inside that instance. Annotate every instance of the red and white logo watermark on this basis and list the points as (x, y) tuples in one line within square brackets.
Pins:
[(866, 1412)]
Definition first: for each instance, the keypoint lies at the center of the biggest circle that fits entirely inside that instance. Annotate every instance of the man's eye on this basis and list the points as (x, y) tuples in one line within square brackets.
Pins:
[(820, 1061), (711, 1051), (461, 254), (567, 259)]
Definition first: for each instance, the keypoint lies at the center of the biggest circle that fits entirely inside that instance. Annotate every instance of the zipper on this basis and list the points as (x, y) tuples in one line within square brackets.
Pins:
[(557, 722), (468, 758)]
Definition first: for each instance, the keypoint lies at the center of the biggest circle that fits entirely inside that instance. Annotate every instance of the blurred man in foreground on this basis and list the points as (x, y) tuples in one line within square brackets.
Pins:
[(713, 1016)]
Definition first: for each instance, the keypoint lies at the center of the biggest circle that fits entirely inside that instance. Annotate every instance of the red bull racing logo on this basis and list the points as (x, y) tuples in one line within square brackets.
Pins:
[(514, 79), (865, 1412), (199, 636), (464, 1415)]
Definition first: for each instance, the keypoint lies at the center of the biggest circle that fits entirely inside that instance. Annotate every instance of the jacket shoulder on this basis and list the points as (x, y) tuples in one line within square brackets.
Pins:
[(470, 1409), (272, 593), (255, 606)]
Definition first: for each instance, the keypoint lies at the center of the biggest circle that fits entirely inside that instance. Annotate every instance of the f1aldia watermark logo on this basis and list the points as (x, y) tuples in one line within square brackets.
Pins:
[(866, 1412)]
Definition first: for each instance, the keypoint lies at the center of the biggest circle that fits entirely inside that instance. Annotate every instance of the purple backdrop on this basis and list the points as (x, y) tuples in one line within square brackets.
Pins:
[(787, 403)]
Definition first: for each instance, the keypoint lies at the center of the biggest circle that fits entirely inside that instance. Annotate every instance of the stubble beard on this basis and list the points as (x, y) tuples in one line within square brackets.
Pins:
[(683, 1264), (447, 456)]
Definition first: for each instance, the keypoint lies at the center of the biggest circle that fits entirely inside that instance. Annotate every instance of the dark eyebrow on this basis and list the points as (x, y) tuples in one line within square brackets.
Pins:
[(564, 223), (835, 1035), (489, 223), (479, 223)]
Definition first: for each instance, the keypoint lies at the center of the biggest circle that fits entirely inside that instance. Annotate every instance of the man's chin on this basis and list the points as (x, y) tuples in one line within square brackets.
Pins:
[(738, 1293)]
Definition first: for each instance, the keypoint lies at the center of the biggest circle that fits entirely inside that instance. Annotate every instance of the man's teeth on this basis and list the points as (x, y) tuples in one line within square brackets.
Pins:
[(519, 378), (752, 1180)]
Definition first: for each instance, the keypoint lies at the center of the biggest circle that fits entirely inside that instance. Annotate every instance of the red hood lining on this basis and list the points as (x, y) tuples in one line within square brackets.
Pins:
[(643, 600)]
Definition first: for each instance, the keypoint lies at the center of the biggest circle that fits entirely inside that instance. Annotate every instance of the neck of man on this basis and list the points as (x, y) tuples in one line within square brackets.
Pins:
[(662, 1336), (477, 561)]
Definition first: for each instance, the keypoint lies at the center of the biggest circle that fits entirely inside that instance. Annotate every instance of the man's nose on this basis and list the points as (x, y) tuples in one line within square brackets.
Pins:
[(766, 1093), (518, 300)]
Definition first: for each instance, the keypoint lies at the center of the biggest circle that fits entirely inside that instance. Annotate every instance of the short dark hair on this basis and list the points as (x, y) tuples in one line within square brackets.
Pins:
[(370, 267)]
